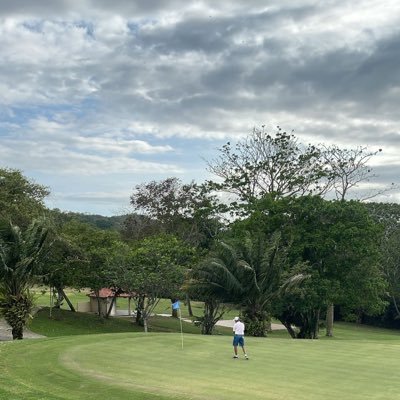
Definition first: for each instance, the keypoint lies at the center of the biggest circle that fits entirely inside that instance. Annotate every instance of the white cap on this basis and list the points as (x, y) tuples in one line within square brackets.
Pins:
[(236, 319)]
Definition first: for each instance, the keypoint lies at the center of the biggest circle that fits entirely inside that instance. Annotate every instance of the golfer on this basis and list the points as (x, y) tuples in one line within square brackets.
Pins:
[(238, 337)]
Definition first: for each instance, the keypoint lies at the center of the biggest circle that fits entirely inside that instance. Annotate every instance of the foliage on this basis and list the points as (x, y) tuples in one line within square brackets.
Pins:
[(21, 199), (349, 168), (388, 216), (247, 271), (184, 210), (270, 164), (337, 243), (20, 252), (155, 269), (280, 166), (215, 281), (95, 247), (84, 257), (114, 222)]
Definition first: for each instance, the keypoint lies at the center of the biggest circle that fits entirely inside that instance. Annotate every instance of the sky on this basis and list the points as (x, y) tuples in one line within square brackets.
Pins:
[(97, 96)]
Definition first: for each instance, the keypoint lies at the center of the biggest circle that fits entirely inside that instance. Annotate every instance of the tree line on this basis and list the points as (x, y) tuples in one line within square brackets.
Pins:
[(277, 234)]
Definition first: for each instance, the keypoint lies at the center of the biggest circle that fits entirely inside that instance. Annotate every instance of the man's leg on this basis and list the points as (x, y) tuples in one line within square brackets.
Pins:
[(235, 351), (244, 352)]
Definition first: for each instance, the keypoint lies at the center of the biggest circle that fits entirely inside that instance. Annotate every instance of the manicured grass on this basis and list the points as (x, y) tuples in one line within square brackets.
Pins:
[(360, 364), (42, 299), (66, 323)]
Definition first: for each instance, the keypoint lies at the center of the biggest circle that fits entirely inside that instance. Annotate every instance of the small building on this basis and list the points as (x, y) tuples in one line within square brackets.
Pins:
[(106, 296)]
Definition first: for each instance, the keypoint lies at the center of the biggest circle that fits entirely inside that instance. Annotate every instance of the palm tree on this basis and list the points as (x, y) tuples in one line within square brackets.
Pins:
[(214, 281), (20, 252), (248, 272)]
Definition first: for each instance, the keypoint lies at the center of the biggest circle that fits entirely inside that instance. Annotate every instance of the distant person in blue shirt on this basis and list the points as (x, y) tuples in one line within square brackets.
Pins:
[(238, 337)]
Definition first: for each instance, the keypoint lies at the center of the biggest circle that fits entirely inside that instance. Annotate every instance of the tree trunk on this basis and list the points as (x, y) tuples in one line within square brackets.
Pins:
[(268, 324), (316, 324), (396, 306), (289, 328), (17, 333), (58, 295), (72, 308), (113, 300), (330, 312), (17, 313), (98, 303), (145, 324), (117, 292), (189, 305), (139, 308)]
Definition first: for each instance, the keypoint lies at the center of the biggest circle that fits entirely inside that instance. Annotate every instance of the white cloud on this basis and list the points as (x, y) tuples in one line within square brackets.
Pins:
[(97, 87)]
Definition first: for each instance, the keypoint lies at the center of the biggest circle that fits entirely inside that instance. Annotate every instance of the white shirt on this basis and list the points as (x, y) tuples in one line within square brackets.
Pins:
[(238, 328)]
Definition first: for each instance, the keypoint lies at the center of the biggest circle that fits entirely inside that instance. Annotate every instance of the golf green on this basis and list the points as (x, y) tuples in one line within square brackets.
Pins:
[(140, 366)]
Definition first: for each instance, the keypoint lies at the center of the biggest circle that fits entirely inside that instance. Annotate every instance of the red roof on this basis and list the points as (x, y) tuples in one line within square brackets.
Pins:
[(106, 292)]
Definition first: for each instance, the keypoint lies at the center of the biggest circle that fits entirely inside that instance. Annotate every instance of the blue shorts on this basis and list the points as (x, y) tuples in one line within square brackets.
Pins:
[(238, 340)]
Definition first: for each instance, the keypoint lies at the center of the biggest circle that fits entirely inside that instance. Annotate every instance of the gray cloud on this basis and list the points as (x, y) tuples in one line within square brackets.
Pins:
[(126, 85)]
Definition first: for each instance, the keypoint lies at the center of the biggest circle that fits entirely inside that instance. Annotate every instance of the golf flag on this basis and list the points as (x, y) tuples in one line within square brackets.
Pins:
[(175, 306)]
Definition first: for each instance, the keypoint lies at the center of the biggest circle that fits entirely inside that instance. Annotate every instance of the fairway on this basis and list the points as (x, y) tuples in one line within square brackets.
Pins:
[(139, 366)]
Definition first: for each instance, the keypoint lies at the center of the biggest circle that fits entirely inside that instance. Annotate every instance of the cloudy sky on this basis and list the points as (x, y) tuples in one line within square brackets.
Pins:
[(97, 96)]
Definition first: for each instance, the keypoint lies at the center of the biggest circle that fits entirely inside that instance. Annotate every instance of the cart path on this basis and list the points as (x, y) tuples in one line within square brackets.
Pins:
[(229, 323), (5, 332)]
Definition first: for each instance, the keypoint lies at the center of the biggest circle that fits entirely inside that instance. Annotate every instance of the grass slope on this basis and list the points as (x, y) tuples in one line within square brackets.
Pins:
[(66, 323), (42, 299), (358, 364)]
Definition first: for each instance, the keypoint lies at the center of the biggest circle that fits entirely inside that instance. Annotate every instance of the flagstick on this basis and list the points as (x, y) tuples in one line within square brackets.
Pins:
[(180, 320)]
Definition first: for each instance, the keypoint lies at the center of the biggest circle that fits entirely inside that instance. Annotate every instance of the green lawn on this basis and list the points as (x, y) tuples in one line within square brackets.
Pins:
[(359, 363), (42, 299), (66, 323)]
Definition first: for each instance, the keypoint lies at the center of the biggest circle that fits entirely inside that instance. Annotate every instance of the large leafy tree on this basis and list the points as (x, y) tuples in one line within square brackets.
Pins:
[(338, 241), (248, 271), (155, 269), (280, 165), (20, 254), (169, 206), (21, 199), (350, 170), (79, 256), (388, 216), (275, 164), (90, 265), (183, 210), (63, 265), (215, 281)]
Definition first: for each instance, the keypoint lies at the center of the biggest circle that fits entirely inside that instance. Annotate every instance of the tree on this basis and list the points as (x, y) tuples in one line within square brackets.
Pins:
[(281, 167), (91, 266), (215, 281), (21, 199), (338, 241), (247, 271), (185, 210), (270, 164), (20, 253), (388, 216), (155, 270), (62, 264), (349, 169)]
